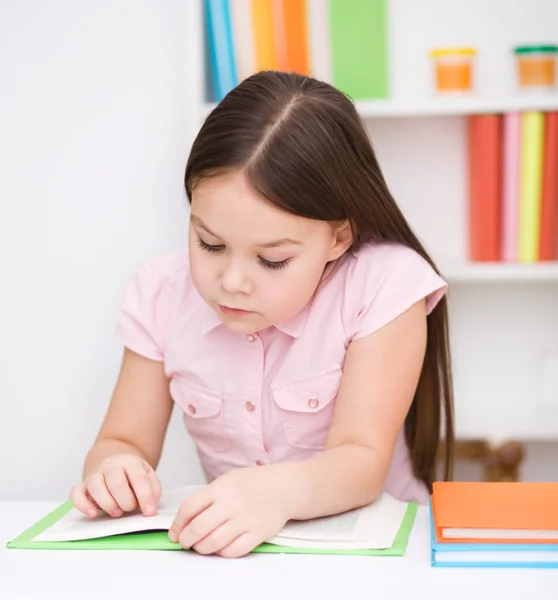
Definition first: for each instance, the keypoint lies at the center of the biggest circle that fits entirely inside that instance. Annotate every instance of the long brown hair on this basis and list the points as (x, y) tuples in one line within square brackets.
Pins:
[(303, 147)]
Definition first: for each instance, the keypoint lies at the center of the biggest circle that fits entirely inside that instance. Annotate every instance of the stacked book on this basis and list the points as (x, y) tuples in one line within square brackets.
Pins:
[(513, 187), (485, 524)]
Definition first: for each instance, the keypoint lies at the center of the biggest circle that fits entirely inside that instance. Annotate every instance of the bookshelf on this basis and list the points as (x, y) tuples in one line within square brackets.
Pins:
[(503, 316), (501, 272), (440, 107)]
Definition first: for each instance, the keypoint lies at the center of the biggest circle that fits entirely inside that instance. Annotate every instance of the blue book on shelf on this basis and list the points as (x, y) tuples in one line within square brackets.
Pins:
[(220, 41), (209, 87), (534, 556)]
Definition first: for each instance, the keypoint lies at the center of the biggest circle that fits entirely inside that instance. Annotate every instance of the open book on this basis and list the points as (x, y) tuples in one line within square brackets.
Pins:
[(378, 526)]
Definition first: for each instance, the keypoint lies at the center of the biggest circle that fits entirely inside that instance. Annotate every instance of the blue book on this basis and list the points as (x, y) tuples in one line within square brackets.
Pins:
[(540, 556), (220, 42)]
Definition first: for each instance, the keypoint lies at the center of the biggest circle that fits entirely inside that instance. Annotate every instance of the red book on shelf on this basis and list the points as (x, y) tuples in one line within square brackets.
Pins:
[(485, 186), (549, 209)]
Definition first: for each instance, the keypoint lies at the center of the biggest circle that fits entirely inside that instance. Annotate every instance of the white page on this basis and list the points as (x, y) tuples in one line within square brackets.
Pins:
[(371, 527), (508, 556), (76, 526), (503, 534)]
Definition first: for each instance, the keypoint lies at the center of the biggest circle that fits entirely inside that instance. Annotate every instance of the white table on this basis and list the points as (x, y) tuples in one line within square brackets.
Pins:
[(161, 575)]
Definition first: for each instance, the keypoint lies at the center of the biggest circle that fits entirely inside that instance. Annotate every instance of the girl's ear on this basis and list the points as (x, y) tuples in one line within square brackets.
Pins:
[(342, 239)]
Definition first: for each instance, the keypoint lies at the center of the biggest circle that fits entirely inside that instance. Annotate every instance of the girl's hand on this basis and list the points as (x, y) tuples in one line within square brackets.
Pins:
[(235, 513), (119, 484)]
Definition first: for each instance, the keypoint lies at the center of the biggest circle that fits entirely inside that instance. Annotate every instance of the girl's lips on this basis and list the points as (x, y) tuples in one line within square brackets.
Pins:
[(234, 312)]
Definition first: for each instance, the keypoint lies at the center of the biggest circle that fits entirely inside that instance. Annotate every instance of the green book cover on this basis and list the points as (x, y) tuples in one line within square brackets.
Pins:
[(358, 30), (159, 540)]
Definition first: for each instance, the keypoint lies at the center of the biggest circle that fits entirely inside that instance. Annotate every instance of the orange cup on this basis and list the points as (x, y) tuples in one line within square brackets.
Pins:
[(536, 66), (453, 70)]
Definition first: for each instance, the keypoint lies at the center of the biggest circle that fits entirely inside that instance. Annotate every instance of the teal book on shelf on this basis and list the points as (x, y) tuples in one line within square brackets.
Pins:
[(220, 45)]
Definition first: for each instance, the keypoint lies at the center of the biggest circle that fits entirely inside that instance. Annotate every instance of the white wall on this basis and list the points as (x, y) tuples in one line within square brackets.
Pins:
[(98, 107), (96, 118)]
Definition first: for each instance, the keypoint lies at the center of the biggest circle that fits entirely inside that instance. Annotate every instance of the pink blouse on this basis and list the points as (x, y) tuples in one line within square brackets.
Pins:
[(269, 397)]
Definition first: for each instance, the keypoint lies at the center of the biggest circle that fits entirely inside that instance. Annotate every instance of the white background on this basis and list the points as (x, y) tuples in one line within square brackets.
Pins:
[(99, 103)]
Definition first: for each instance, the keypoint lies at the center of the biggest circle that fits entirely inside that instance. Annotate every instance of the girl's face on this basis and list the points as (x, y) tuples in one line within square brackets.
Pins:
[(253, 263)]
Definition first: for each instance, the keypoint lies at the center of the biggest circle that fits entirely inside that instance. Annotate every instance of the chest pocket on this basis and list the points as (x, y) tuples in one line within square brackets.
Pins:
[(305, 407), (203, 414)]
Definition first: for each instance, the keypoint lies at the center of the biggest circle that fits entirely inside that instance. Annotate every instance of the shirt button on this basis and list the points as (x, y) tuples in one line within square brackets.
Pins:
[(259, 463), (250, 406), (251, 337), (313, 403), (191, 409)]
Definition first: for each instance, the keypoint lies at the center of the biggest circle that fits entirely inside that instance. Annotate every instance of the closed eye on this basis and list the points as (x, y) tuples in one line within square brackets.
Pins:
[(209, 247), (273, 266), (266, 264)]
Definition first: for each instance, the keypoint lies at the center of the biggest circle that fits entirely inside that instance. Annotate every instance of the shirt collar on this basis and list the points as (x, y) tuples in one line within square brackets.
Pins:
[(210, 320)]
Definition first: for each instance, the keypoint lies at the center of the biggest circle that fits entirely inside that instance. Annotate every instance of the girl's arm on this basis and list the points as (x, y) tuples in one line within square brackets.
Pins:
[(245, 507), (138, 414), (380, 376)]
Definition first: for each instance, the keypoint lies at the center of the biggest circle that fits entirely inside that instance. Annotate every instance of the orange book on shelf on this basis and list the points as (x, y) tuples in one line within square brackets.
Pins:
[(495, 512), (279, 34), (294, 18), (549, 209), (484, 133), (264, 35)]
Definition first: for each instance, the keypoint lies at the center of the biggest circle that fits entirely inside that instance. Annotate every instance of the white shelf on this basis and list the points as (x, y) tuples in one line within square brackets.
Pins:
[(457, 106), (449, 106), (502, 272)]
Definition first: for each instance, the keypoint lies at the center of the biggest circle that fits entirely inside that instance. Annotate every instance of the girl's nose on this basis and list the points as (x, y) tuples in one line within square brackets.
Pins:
[(233, 281)]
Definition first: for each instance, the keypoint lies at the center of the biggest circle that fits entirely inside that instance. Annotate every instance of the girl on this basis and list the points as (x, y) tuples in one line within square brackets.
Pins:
[(304, 333)]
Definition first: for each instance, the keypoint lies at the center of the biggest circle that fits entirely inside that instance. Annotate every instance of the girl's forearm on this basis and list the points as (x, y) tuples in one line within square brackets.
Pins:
[(105, 448), (336, 480)]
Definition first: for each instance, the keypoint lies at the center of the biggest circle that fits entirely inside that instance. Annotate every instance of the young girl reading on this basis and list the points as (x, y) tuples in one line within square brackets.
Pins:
[(303, 334)]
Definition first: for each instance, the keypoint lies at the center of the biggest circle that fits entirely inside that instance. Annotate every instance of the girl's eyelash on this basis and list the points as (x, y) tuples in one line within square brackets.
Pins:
[(266, 264), (209, 248), (273, 266)]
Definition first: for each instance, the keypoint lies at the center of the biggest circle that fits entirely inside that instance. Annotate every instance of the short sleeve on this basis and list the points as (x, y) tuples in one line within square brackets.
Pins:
[(385, 281), (141, 323)]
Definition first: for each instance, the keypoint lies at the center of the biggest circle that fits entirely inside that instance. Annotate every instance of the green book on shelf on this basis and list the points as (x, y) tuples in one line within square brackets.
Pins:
[(358, 30), (388, 521)]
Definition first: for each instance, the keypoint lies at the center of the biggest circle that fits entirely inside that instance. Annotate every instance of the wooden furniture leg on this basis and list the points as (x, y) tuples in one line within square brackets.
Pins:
[(503, 462), (500, 462)]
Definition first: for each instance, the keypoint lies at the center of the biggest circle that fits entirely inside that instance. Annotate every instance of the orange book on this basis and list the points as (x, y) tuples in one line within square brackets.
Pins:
[(279, 34), (484, 133), (495, 513), (294, 18), (264, 35), (549, 209)]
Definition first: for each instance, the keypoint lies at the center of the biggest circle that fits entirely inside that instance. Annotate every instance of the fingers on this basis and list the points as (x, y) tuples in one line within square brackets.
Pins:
[(98, 490), (241, 546), (155, 484), (189, 509), (203, 525), (218, 539), (82, 501), (141, 483), (119, 488)]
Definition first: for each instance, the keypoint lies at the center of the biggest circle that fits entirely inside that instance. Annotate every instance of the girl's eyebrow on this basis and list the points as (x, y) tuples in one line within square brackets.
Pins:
[(197, 221), (281, 242)]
